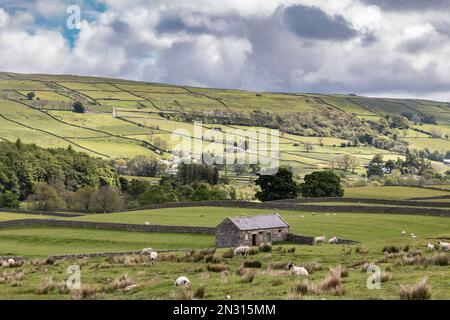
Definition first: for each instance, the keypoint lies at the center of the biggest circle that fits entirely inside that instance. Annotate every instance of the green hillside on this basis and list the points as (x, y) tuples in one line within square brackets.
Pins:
[(146, 110)]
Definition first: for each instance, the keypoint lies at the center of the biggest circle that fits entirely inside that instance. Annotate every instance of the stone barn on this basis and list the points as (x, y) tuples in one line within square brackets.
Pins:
[(251, 230)]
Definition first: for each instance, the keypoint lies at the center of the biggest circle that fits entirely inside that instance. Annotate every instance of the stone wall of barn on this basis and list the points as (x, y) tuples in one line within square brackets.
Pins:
[(263, 236), (227, 235)]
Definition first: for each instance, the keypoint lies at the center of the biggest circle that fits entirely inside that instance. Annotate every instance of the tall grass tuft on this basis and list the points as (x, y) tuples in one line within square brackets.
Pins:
[(418, 291)]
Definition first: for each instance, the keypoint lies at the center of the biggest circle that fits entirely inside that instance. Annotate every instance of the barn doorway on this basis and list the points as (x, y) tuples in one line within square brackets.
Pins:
[(253, 239)]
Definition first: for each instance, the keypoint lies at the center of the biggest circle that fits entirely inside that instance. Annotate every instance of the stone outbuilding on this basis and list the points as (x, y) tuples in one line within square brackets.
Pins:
[(251, 230)]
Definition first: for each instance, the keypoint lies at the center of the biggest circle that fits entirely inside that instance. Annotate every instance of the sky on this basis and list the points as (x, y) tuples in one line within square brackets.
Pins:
[(391, 48)]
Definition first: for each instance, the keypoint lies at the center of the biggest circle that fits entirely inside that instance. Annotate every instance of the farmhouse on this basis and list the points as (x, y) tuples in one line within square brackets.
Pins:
[(251, 230)]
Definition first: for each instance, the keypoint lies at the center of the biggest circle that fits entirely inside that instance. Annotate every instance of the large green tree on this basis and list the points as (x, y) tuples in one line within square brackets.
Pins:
[(322, 184), (278, 186)]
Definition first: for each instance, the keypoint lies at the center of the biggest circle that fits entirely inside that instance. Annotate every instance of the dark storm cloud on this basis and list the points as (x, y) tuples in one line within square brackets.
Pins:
[(399, 5), (313, 23)]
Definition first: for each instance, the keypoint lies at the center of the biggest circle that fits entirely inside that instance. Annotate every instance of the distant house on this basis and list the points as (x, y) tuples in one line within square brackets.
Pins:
[(251, 230)]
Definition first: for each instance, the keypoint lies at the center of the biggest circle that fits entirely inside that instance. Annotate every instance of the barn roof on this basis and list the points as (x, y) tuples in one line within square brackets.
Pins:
[(259, 222)]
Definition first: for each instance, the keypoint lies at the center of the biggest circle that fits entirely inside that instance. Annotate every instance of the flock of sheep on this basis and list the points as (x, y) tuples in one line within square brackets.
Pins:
[(295, 270), (444, 246)]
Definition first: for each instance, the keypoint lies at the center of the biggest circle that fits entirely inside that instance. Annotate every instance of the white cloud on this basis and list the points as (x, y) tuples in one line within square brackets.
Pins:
[(240, 44)]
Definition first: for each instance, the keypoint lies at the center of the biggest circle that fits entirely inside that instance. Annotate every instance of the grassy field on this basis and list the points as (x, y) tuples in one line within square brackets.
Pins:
[(42, 242), (156, 280), (394, 192)]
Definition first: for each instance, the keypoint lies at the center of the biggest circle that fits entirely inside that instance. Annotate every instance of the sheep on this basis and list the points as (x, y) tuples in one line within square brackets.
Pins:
[(146, 251), (302, 216), (430, 246), (413, 236), (147, 223), (181, 281), (11, 261), (244, 251), (297, 271), (263, 246), (333, 240), (319, 239), (153, 255), (403, 232), (444, 245)]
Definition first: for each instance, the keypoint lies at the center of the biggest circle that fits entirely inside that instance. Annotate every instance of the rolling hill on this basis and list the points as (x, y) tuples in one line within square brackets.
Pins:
[(144, 111)]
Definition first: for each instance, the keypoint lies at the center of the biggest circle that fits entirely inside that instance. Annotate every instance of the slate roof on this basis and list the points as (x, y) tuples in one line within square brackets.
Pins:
[(259, 222)]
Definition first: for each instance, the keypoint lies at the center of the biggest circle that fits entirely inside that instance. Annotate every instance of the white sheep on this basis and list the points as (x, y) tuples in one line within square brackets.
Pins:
[(444, 245), (413, 236), (11, 261), (403, 232), (297, 271), (244, 251), (333, 240), (153, 255), (266, 244), (146, 251), (302, 216), (319, 239), (430, 246), (181, 281), (147, 223)]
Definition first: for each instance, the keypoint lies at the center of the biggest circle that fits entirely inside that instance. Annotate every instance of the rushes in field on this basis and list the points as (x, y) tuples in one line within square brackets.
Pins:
[(418, 291)]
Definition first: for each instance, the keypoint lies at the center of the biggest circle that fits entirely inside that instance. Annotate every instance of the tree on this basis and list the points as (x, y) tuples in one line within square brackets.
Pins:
[(31, 95), (107, 199), (390, 165), (347, 162), (157, 194), (83, 198), (146, 166), (9, 200), (278, 186), (159, 142), (322, 184), (308, 146), (45, 197), (78, 107), (375, 170)]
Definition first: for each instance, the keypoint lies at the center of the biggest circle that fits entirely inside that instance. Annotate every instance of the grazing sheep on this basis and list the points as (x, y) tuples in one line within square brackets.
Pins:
[(319, 239), (146, 251), (267, 244), (430, 246), (444, 245), (313, 213), (403, 232), (181, 281), (11, 261), (243, 251), (327, 214), (147, 223), (153, 255), (333, 240), (297, 271), (413, 236)]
